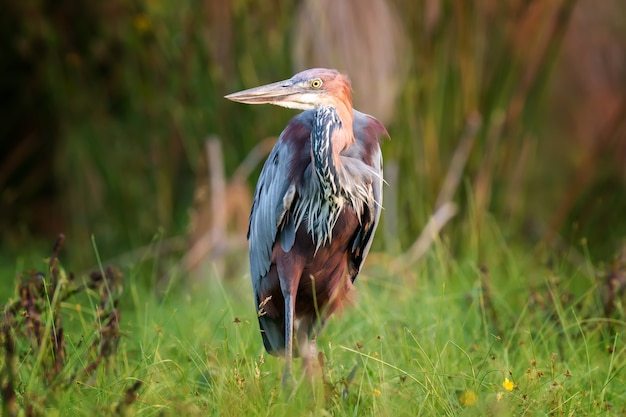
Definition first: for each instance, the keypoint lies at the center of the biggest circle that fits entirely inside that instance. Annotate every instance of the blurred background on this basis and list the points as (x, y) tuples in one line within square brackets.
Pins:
[(114, 126)]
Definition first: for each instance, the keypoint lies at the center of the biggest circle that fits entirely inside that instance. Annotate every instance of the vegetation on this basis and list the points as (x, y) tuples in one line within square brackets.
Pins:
[(137, 87), (510, 115), (446, 337)]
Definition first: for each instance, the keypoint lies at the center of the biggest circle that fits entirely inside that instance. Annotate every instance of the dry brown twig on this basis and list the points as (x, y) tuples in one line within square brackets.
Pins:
[(211, 238)]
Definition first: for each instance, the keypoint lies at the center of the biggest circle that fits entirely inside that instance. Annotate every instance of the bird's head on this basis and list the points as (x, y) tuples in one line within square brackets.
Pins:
[(307, 90)]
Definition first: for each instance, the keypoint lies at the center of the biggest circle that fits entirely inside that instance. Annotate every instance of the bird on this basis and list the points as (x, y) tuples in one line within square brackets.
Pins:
[(316, 207)]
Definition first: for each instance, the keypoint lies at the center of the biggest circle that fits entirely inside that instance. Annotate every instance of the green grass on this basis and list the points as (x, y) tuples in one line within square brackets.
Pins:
[(436, 338)]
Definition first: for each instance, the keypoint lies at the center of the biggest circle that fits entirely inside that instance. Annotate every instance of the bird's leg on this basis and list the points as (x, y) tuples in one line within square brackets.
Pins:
[(289, 273), (290, 306), (306, 346)]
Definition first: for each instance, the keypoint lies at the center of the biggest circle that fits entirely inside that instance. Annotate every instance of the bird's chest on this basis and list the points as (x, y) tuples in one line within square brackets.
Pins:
[(318, 211)]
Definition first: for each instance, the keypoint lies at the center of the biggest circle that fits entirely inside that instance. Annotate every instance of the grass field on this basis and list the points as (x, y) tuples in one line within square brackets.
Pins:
[(446, 336), (108, 108)]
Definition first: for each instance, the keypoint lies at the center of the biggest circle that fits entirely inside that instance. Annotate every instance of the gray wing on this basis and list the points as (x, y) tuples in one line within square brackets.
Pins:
[(269, 210), (271, 217), (269, 221), (367, 132), (363, 243)]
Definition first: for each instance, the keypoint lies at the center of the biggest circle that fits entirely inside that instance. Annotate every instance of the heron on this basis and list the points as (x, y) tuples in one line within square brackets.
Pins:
[(316, 207)]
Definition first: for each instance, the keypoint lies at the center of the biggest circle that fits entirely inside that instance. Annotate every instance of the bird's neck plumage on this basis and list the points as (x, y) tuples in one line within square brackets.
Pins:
[(331, 134), (326, 124), (324, 197)]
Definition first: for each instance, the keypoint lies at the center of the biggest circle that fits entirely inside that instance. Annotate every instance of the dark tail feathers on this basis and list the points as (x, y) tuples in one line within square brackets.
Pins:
[(273, 332)]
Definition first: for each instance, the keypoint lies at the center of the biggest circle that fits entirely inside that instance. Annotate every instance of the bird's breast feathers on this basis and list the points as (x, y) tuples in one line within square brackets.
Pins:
[(319, 209)]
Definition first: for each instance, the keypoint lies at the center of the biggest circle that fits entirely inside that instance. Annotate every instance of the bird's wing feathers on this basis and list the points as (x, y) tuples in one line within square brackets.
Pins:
[(367, 132), (271, 217)]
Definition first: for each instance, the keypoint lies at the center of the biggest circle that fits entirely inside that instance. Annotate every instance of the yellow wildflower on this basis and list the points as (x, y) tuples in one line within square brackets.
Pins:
[(468, 398), (142, 23), (377, 392), (508, 384)]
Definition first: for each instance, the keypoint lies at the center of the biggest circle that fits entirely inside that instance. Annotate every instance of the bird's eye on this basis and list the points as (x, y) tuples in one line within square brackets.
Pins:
[(316, 83)]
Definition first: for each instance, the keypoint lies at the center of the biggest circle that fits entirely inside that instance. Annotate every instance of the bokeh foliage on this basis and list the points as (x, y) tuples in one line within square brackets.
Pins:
[(107, 106)]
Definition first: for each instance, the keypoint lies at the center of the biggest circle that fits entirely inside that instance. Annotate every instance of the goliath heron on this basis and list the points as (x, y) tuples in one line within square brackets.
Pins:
[(316, 207)]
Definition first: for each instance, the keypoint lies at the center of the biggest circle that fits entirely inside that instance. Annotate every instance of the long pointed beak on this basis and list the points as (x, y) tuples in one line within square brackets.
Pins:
[(271, 93)]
